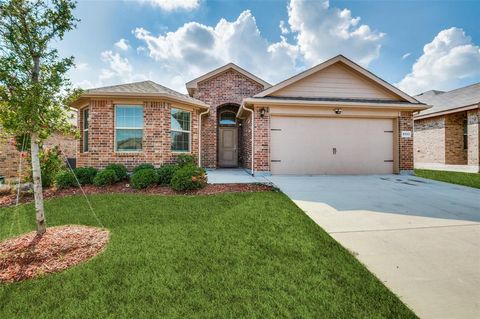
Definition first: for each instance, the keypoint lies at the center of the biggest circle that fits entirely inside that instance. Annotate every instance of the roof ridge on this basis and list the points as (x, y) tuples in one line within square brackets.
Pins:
[(117, 85), (463, 87)]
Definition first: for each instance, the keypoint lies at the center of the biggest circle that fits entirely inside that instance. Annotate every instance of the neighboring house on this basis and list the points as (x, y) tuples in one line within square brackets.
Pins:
[(447, 135), (10, 156), (335, 118)]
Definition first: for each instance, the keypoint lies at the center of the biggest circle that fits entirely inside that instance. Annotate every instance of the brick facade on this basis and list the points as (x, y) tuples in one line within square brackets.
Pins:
[(429, 142), (10, 157), (455, 153), (156, 136), (229, 87), (405, 123), (473, 153), (262, 140)]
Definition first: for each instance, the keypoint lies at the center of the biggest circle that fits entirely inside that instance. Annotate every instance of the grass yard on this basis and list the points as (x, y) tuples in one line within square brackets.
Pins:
[(248, 255), (466, 179)]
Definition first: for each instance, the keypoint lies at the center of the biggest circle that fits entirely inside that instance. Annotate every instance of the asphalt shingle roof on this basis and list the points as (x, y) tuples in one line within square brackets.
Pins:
[(445, 101)]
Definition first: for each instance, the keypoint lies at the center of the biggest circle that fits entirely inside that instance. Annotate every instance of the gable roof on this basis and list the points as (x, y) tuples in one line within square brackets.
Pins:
[(451, 101), (337, 59), (193, 84), (142, 89)]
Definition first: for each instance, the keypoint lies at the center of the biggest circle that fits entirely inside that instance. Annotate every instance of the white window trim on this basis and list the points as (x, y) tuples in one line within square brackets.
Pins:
[(115, 128), (85, 130), (182, 131)]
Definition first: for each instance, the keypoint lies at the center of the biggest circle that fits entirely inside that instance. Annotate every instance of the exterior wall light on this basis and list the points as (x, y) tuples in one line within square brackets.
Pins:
[(262, 112), (338, 111)]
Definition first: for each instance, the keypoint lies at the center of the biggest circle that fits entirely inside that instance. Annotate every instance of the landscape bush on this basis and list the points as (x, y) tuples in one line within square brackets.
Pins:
[(65, 179), (185, 159), (105, 177), (144, 178), (143, 166), (51, 163), (165, 174), (85, 175), (119, 169), (189, 177)]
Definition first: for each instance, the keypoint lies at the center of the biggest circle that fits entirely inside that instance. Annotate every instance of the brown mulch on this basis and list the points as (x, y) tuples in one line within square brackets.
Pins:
[(29, 256), (124, 187)]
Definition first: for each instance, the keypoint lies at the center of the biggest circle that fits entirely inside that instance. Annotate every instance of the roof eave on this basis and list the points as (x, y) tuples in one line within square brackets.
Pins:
[(446, 112)]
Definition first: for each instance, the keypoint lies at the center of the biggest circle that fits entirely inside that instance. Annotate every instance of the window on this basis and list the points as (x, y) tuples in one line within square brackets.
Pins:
[(465, 134), (86, 124), (128, 128), (180, 130), (228, 118)]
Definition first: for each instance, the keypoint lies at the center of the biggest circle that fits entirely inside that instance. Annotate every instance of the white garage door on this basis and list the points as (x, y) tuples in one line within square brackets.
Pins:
[(309, 145)]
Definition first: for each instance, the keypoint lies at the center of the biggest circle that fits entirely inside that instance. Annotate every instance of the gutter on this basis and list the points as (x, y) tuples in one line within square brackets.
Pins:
[(200, 136), (242, 106)]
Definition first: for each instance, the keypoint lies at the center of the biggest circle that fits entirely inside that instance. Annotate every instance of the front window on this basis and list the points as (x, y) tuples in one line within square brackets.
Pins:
[(180, 130), (128, 128), (86, 124), (465, 134), (228, 118)]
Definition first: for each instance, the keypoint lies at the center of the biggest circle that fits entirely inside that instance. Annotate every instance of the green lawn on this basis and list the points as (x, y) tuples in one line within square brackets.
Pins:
[(467, 179), (250, 255)]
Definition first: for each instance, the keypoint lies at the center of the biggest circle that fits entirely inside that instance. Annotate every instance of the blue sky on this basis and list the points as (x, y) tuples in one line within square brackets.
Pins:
[(416, 45)]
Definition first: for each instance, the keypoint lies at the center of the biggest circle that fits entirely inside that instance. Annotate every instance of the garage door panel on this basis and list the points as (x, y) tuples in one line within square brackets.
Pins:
[(302, 145)]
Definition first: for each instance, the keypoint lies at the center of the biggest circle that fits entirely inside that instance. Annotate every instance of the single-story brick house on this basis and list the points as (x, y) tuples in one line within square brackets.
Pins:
[(447, 135), (335, 118)]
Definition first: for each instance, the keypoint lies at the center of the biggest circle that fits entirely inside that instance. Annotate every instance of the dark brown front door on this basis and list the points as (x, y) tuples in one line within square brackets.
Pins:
[(227, 147)]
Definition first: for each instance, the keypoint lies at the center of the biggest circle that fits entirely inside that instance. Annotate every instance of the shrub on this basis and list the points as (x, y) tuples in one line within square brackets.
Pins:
[(65, 179), (105, 177), (165, 174), (119, 169), (51, 163), (143, 166), (189, 177), (85, 175), (144, 178), (184, 160)]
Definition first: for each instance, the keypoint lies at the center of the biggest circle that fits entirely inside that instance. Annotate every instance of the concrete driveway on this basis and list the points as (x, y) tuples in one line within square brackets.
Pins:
[(420, 237)]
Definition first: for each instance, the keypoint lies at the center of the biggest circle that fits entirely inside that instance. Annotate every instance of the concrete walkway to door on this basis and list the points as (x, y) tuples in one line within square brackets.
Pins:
[(232, 176), (420, 237)]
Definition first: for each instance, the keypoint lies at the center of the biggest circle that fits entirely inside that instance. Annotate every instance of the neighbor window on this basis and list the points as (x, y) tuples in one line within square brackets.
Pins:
[(228, 118), (180, 130), (465, 134), (86, 124), (128, 128)]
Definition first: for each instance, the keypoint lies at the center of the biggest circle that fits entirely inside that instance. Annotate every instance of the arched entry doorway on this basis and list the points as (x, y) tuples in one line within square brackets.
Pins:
[(228, 135)]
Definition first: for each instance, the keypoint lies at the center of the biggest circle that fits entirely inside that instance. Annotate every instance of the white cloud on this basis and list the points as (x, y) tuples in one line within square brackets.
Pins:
[(122, 44), (323, 31), (170, 5), (450, 58), (406, 55), (283, 28), (82, 66), (119, 70)]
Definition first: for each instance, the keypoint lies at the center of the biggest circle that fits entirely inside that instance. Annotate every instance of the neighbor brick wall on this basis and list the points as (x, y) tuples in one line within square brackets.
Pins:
[(455, 154), (10, 157), (429, 141), (227, 87), (156, 136), (474, 137), (405, 123)]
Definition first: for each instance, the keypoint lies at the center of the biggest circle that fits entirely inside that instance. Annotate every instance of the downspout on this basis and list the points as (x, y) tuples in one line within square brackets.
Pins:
[(200, 137), (253, 135)]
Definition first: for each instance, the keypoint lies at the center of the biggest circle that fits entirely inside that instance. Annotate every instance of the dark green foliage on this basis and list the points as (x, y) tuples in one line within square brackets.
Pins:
[(460, 178), (143, 166), (105, 177), (165, 174), (51, 163), (243, 255), (119, 169), (85, 175), (189, 177), (144, 178), (185, 159), (65, 179)]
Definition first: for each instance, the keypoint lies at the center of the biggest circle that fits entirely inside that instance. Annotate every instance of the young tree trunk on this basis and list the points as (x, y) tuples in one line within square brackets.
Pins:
[(37, 186)]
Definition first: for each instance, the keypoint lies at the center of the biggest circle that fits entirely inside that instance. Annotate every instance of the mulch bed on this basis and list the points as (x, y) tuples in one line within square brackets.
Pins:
[(124, 187), (29, 256)]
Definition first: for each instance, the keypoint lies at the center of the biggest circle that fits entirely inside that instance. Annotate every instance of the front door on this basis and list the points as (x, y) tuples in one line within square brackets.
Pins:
[(227, 147)]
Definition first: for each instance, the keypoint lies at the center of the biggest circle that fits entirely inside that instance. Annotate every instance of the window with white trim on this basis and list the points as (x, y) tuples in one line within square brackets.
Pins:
[(180, 122), (128, 128), (86, 124)]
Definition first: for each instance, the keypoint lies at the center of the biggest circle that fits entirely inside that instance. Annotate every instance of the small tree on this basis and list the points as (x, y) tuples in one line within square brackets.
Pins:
[(34, 89)]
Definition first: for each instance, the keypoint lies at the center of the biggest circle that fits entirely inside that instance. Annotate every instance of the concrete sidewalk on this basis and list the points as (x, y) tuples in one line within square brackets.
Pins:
[(420, 237)]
